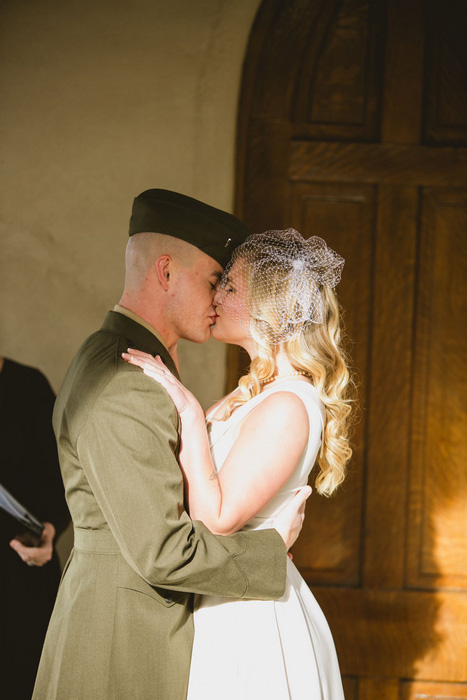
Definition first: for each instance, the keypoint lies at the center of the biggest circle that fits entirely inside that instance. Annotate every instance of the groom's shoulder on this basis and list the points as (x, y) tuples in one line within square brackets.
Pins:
[(99, 381), (98, 367), (99, 360)]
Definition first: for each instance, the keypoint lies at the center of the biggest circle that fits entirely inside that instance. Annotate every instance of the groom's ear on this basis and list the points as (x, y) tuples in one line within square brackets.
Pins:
[(163, 270)]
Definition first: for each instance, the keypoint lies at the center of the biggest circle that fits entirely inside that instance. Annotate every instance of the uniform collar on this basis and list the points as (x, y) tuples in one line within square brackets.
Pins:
[(141, 337)]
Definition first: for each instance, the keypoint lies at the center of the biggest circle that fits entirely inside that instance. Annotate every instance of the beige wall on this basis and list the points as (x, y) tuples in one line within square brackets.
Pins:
[(101, 100)]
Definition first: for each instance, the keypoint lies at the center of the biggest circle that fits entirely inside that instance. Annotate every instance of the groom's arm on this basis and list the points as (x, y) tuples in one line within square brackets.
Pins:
[(128, 449)]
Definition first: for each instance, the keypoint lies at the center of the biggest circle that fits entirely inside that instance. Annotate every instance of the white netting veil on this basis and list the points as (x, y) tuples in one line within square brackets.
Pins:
[(272, 284)]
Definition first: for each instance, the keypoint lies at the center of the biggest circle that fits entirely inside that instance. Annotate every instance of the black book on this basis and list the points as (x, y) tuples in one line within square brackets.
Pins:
[(21, 524)]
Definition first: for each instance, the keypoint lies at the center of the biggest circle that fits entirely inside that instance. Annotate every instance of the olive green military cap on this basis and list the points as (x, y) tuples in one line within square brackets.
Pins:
[(212, 230)]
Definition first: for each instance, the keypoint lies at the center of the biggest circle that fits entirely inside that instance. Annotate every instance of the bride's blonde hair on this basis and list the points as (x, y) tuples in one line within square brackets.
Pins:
[(314, 348)]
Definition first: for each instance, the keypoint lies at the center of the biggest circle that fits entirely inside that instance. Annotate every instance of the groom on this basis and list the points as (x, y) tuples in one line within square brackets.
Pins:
[(122, 625)]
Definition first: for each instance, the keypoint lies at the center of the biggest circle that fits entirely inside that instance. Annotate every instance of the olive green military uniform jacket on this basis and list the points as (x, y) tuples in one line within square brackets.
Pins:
[(122, 625)]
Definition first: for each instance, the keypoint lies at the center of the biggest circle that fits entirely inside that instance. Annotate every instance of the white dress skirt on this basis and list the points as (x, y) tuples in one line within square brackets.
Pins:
[(266, 650)]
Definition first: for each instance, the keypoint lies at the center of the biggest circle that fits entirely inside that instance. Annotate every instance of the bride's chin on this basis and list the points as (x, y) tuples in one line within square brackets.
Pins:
[(217, 334)]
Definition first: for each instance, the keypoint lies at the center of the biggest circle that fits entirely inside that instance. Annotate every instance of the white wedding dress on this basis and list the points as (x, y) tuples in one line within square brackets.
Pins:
[(266, 650)]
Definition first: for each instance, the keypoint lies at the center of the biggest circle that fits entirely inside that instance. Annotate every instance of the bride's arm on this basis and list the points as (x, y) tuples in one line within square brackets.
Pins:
[(266, 451)]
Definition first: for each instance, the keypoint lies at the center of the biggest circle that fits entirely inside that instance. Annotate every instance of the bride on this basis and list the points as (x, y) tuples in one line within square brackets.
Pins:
[(290, 411)]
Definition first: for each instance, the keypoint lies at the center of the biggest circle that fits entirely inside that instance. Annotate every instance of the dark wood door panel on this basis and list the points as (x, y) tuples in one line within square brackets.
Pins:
[(445, 114), (437, 523), (397, 164), (389, 393)]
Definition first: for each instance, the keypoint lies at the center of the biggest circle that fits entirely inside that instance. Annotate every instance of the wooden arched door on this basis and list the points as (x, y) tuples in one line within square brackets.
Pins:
[(353, 126)]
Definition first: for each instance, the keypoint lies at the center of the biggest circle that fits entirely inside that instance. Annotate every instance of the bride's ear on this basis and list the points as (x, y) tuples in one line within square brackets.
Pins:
[(164, 270)]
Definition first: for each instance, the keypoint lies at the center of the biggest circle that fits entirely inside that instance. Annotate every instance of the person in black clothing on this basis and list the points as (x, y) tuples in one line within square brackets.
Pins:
[(29, 576)]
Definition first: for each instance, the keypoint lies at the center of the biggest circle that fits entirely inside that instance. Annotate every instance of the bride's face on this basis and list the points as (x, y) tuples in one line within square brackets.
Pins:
[(233, 319)]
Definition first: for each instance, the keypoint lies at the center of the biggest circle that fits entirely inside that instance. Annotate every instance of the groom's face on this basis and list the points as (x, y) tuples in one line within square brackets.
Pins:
[(192, 310)]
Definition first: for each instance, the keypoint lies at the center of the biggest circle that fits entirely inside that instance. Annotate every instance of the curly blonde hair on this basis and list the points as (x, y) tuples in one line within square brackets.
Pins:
[(317, 350)]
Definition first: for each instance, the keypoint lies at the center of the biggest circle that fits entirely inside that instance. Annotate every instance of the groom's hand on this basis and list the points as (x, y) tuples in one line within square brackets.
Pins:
[(290, 521)]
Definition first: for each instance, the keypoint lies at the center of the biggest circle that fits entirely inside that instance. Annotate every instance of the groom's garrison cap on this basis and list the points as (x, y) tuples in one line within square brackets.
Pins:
[(212, 230)]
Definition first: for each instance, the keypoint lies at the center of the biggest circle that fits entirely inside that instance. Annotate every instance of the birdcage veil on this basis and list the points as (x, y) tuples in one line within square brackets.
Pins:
[(272, 284)]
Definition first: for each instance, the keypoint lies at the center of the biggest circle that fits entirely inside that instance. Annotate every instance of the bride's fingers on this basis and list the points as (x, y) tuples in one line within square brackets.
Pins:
[(139, 353), (155, 374), (130, 357), (152, 367), (143, 362), (138, 356), (157, 363)]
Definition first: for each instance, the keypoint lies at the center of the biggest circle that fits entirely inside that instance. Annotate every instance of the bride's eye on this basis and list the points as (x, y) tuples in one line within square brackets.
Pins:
[(225, 284)]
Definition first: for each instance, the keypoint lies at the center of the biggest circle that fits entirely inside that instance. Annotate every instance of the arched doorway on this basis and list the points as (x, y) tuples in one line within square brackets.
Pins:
[(353, 126)]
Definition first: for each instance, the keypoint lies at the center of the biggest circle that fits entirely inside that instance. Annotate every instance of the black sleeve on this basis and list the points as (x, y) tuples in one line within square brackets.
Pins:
[(50, 504)]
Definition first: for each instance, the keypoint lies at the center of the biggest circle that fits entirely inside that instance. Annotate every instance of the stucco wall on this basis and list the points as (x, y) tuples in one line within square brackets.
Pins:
[(101, 100)]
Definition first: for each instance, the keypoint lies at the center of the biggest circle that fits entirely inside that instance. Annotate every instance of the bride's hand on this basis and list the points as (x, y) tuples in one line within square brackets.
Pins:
[(154, 367)]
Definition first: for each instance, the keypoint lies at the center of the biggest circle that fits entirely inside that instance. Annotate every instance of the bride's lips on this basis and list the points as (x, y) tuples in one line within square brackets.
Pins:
[(214, 317)]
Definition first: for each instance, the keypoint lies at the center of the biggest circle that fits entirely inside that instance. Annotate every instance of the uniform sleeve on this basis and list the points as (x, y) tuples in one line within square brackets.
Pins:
[(128, 451)]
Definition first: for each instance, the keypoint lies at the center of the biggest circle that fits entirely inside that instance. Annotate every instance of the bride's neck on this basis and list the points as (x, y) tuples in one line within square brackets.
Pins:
[(282, 362)]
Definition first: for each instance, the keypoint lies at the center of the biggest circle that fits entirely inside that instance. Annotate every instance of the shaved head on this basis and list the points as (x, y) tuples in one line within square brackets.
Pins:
[(143, 250)]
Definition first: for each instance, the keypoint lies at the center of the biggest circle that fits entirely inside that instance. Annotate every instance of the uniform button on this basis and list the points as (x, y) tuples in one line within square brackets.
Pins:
[(168, 600)]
